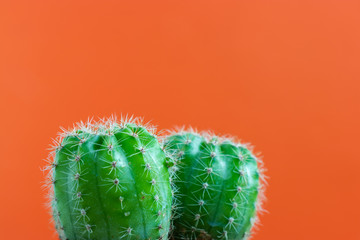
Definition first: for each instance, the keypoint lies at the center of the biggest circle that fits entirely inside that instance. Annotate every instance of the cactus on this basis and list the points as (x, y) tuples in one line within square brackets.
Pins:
[(218, 186), (110, 181)]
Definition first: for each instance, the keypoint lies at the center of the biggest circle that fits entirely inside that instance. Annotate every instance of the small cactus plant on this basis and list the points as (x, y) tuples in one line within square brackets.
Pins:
[(218, 184), (110, 181)]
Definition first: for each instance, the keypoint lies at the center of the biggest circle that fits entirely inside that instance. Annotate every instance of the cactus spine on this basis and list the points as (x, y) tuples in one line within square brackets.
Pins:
[(110, 181), (217, 187)]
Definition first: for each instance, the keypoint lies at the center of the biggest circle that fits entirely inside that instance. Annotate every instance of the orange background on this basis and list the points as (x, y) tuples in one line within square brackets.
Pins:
[(283, 75)]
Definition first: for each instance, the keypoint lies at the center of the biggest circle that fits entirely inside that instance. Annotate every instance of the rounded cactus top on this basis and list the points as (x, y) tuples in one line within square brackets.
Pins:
[(109, 180), (219, 184)]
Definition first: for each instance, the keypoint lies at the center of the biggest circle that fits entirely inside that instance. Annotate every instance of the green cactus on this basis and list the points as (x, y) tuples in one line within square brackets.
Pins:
[(110, 181), (218, 186)]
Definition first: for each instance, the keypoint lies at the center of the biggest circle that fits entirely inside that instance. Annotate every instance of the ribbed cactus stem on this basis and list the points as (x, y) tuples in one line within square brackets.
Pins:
[(218, 187), (110, 181)]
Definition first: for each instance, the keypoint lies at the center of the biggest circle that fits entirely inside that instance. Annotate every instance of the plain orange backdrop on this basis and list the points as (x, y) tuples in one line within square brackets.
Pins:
[(283, 75)]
